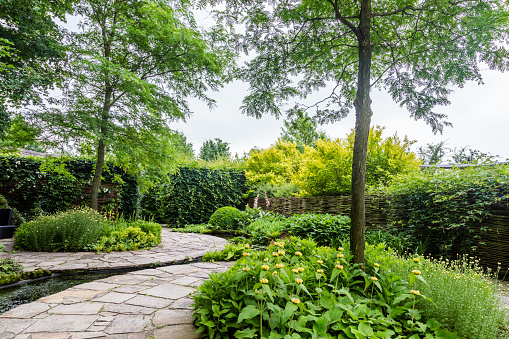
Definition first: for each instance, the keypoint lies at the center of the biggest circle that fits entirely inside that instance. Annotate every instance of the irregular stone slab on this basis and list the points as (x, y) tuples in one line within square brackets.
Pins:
[(150, 272), (115, 297), (183, 303), (127, 279), (205, 265), (185, 280), (80, 308), (128, 324), (51, 336), (172, 317), (59, 297), (88, 335), (144, 300), (131, 289), (97, 286), (26, 311), (185, 331), (127, 309), (62, 323), (169, 291), (180, 269), (14, 326)]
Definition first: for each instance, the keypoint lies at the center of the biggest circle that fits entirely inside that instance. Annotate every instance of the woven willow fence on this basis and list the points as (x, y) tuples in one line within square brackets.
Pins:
[(492, 251)]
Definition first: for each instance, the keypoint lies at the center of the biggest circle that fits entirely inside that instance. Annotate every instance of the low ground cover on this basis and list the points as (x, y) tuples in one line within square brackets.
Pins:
[(296, 289)]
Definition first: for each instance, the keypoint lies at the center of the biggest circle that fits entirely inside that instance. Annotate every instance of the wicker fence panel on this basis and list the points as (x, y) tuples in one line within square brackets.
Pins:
[(493, 251)]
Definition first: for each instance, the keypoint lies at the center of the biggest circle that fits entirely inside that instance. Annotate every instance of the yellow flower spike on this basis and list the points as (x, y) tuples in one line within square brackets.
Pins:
[(319, 271), (376, 265), (298, 280), (274, 273), (341, 255), (416, 272), (341, 249), (300, 269), (246, 246), (339, 267), (281, 252), (264, 281), (266, 259), (265, 267), (246, 269), (320, 261), (295, 301), (245, 254), (417, 260), (299, 254), (374, 279), (274, 254), (280, 265), (415, 292), (294, 270)]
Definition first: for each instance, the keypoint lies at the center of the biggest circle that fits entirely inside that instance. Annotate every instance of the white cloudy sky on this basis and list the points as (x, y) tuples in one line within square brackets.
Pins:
[(479, 114)]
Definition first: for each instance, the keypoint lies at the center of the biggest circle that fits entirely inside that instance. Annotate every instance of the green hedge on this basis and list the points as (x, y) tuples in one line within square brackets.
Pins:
[(193, 195), (447, 207), (50, 185)]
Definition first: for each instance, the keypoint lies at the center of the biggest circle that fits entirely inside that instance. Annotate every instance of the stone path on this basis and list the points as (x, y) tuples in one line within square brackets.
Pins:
[(150, 303), (175, 248)]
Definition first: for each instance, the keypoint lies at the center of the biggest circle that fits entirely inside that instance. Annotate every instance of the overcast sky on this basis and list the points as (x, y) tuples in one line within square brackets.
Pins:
[(479, 114)]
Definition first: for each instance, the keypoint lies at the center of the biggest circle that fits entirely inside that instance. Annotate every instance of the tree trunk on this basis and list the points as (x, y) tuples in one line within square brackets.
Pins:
[(96, 183), (362, 124)]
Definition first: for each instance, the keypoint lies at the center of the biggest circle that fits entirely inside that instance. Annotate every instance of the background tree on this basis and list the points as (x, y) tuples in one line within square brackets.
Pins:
[(181, 146), (433, 154), (214, 149), (131, 68), (31, 52), (413, 49), (302, 130)]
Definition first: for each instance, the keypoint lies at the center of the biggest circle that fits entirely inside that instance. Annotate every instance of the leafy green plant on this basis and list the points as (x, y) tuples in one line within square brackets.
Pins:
[(65, 231), (126, 239), (322, 228), (232, 251), (295, 289), (262, 230), (10, 266), (226, 218)]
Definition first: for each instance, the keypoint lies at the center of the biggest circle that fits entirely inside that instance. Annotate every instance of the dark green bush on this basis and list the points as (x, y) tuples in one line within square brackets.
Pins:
[(193, 194), (226, 218), (325, 229), (72, 230)]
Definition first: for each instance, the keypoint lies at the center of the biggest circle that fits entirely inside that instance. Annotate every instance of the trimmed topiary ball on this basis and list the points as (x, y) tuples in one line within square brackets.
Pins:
[(226, 218)]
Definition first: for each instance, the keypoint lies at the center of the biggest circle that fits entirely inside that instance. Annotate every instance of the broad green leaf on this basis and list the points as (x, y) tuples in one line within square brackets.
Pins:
[(248, 312)]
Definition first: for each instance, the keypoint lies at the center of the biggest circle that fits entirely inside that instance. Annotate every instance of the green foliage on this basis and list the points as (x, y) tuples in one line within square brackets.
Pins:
[(226, 218), (126, 239), (448, 206), (194, 194), (214, 149), (54, 184), (32, 50), (263, 230), (326, 168), (10, 266), (324, 229), (297, 290), (234, 250), (68, 231), (302, 130), (275, 191), (464, 297)]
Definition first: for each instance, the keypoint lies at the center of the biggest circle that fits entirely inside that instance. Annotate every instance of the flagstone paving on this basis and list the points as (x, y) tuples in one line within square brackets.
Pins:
[(175, 248), (150, 303)]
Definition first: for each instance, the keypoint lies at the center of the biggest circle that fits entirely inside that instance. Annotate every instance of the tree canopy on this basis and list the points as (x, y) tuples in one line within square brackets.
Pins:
[(302, 130), (414, 49), (214, 149), (131, 68)]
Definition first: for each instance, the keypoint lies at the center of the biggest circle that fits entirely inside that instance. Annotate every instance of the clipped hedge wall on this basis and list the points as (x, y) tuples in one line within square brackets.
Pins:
[(33, 184), (193, 195)]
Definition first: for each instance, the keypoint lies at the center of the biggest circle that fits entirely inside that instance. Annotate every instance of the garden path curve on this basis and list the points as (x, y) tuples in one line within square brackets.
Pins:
[(147, 303), (175, 248)]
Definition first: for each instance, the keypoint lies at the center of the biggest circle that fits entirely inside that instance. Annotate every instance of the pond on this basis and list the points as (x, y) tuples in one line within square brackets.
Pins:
[(26, 292)]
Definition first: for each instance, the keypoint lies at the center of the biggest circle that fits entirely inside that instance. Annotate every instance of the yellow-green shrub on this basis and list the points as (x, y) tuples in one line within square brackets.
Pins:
[(126, 239)]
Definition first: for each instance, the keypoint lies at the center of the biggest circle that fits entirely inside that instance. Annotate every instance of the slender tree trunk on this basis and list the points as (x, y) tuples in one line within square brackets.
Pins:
[(96, 183), (362, 124)]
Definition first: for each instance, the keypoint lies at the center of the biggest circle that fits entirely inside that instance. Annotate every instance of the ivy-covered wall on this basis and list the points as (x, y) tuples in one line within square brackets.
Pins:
[(193, 194), (32, 184)]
